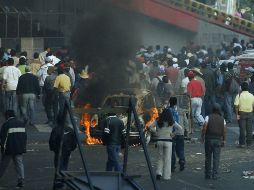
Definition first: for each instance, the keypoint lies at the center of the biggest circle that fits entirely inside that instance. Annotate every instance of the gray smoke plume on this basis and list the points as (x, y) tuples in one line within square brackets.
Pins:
[(105, 39)]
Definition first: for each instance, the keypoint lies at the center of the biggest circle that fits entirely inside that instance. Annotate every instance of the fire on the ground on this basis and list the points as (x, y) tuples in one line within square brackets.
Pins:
[(145, 106)]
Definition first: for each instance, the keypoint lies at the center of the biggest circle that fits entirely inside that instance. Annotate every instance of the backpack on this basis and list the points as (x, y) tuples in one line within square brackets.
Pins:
[(234, 86)]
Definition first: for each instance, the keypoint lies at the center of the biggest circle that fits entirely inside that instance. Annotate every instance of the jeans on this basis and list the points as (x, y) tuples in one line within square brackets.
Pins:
[(229, 98), (28, 106), (113, 157), (11, 100), (18, 163), (209, 100), (245, 128), (64, 162), (212, 151), (196, 104), (178, 150), (51, 106), (64, 97), (164, 159)]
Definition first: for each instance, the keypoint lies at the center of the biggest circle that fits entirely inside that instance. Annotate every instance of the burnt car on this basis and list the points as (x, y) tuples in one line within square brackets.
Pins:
[(145, 106)]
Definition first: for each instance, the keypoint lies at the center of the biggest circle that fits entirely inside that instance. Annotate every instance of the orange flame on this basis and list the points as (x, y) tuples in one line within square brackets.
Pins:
[(87, 123), (154, 114)]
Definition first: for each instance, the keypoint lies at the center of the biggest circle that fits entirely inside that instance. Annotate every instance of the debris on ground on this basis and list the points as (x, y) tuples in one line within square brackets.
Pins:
[(248, 174)]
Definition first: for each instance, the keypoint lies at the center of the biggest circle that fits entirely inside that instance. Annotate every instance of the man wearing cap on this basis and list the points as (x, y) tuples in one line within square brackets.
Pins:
[(28, 89), (42, 73), (196, 91)]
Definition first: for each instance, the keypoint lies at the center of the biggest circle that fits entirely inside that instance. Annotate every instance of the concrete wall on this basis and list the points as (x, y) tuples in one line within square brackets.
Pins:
[(212, 35), (155, 32)]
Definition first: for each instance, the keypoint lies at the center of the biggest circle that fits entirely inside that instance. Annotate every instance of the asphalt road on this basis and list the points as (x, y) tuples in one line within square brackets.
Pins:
[(39, 169)]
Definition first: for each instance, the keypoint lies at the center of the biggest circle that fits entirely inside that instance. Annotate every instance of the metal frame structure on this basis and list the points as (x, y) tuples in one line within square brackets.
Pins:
[(103, 180), (211, 15)]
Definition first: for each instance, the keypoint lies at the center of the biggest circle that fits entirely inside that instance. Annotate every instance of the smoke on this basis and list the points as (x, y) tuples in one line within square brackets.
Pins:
[(105, 39)]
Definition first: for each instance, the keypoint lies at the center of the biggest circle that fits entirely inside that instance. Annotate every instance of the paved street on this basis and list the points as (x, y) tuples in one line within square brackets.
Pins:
[(39, 164)]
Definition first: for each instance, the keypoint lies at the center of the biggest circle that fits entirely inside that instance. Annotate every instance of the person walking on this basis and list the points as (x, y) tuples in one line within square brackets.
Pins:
[(214, 136), (62, 85), (28, 89), (196, 91), (69, 145), (51, 105), (244, 103), (13, 141), (178, 137), (11, 76), (164, 145), (113, 138), (35, 63)]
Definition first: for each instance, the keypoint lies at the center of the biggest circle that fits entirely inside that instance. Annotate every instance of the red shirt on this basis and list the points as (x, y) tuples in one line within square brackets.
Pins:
[(195, 88)]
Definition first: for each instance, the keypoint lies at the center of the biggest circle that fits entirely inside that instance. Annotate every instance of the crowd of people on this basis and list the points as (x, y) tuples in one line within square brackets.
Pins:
[(209, 79)]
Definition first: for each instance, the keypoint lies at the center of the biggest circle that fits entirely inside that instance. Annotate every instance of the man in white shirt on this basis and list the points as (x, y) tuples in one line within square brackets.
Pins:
[(42, 73), (11, 76), (43, 54), (185, 82)]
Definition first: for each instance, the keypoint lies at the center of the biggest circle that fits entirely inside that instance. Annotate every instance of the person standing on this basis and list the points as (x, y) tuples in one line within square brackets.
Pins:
[(13, 140), (11, 76), (244, 103), (230, 92), (164, 145), (214, 136), (113, 138), (28, 89), (196, 91), (209, 79)]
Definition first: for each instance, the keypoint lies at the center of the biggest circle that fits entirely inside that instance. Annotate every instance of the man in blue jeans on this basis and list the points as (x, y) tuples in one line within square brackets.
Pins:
[(113, 138)]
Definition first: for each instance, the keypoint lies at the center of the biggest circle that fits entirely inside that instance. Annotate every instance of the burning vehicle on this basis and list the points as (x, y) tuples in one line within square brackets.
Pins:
[(92, 122)]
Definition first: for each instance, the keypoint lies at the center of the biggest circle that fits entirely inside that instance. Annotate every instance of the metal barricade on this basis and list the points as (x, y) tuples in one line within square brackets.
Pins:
[(184, 111)]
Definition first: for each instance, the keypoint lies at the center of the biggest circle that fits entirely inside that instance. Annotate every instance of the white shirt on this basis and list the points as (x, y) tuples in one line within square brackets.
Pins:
[(72, 73), (42, 56), (43, 73), (184, 84), (11, 75)]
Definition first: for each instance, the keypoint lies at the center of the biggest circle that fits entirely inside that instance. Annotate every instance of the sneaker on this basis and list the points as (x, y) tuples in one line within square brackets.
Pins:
[(20, 185)]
